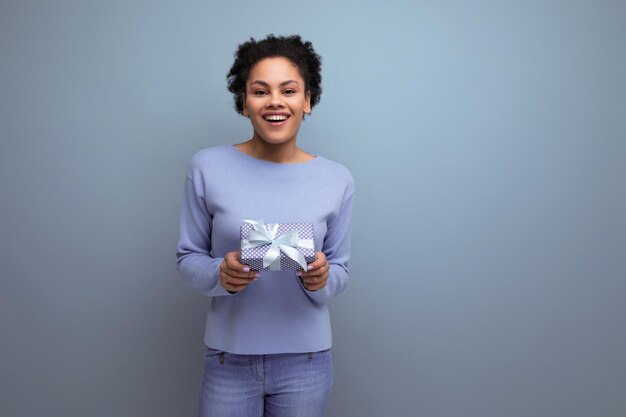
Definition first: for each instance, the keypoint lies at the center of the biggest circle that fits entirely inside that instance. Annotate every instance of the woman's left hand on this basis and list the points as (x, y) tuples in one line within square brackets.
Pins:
[(317, 275)]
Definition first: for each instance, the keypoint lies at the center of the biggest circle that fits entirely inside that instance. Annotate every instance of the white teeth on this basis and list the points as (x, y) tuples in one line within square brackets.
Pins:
[(276, 117)]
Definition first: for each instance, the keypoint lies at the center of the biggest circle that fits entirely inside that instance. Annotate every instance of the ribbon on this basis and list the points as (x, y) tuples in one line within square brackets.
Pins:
[(263, 234)]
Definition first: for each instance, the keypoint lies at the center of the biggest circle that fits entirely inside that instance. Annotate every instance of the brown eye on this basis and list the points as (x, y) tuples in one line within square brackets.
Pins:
[(259, 93), (290, 92)]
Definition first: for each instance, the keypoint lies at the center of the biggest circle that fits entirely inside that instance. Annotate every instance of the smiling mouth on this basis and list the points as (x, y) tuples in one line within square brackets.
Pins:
[(276, 119)]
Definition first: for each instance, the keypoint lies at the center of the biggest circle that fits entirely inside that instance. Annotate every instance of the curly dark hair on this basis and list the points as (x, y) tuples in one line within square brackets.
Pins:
[(299, 52)]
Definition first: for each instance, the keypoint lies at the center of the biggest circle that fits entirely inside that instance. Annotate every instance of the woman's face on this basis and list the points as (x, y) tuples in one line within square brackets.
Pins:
[(276, 100)]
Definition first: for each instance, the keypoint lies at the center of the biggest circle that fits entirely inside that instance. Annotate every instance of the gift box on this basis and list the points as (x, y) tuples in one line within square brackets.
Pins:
[(276, 246)]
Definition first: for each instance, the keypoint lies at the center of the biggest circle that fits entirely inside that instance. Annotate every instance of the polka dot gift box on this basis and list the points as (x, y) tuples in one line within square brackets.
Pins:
[(276, 246)]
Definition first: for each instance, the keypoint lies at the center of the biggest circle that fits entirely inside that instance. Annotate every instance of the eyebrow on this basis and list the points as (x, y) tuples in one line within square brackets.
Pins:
[(263, 83)]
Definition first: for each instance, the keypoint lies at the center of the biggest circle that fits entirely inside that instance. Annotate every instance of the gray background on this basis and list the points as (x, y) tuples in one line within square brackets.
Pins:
[(487, 139)]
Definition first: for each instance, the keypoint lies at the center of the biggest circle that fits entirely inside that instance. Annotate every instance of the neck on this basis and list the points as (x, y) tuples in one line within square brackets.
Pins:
[(281, 152)]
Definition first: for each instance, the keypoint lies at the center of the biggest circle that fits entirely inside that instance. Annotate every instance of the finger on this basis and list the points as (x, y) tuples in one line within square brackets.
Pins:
[(238, 280), (235, 265), (234, 283), (314, 287), (232, 259), (242, 274), (316, 272), (310, 282), (320, 260), (315, 279), (236, 268)]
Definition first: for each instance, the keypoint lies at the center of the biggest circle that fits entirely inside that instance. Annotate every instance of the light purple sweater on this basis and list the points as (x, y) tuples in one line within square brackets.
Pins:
[(274, 314)]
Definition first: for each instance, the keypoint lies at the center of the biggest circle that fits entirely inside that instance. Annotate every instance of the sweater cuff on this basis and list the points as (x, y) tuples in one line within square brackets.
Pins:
[(320, 296), (202, 272)]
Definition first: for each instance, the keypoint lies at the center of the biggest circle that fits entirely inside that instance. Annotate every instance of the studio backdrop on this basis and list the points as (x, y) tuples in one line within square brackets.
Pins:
[(487, 142)]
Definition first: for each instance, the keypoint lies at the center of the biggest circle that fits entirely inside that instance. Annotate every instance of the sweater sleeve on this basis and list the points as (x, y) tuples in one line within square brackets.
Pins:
[(194, 262), (336, 247)]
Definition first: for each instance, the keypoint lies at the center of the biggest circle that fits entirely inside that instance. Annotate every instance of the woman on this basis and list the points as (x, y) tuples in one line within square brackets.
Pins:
[(268, 333)]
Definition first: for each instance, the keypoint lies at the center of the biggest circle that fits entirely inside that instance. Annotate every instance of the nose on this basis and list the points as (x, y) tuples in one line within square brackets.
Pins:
[(275, 100)]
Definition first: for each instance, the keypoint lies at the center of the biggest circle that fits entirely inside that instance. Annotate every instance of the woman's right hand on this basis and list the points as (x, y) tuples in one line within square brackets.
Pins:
[(235, 276)]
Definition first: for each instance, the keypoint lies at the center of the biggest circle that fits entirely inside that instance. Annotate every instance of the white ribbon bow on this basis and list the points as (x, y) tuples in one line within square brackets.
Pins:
[(263, 234)]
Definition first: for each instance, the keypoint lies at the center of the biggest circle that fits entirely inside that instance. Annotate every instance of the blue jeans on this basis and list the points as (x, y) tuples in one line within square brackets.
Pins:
[(278, 385)]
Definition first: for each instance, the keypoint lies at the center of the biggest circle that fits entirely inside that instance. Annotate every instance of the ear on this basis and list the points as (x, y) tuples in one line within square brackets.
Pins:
[(307, 105)]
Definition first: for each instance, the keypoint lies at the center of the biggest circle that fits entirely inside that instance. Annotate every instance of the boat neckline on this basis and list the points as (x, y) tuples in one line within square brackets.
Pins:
[(263, 161)]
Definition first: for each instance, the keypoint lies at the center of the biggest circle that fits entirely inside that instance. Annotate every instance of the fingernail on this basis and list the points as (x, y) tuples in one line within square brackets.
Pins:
[(256, 279), (257, 275), (246, 269), (309, 267), (299, 273)]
